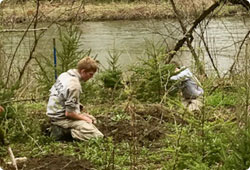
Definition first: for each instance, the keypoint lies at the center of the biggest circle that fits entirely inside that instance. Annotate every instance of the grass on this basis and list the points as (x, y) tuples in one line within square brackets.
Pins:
[(189, 145)]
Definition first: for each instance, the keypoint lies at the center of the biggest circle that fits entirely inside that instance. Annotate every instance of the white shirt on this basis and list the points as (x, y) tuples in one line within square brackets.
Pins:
[(65, 95), (190, 89), (183, 74)]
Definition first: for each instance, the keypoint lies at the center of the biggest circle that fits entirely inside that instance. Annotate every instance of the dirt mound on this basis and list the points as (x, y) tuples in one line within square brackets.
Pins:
[(158, 111), (54, 162), (126, 130), (148, 124)]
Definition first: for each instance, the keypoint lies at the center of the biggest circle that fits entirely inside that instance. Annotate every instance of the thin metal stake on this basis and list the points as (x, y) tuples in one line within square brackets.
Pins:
[(54, 52)]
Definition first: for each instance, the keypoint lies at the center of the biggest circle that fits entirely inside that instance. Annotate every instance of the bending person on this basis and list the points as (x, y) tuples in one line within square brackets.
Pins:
[(190, 87)]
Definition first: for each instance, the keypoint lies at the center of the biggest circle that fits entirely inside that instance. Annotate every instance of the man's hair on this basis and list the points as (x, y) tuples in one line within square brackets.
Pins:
[(88, 64), (176, 64)]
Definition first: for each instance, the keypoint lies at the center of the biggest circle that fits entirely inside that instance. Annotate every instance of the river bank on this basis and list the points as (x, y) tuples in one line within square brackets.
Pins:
[(65, 12)]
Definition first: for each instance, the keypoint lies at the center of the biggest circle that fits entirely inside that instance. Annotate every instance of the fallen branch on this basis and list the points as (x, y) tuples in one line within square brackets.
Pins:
[(23, 30), (18, 160), (66, 165), (43, 166)]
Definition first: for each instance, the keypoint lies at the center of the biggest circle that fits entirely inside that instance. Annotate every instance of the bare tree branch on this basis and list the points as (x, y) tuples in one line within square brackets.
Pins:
[(35, 42), (15, 52), (238, 54), (188, 34), (199, 65), (207, 48)]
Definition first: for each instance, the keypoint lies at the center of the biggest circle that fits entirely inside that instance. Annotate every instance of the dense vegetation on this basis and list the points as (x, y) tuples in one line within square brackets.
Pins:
[(142, 116)]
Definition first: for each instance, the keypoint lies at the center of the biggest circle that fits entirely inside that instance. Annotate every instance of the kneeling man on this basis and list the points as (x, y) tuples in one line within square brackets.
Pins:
[(64, 102)]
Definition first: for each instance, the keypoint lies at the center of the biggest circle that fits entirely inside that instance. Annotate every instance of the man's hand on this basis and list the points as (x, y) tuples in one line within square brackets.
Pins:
[(88, 119), (76, 116), (91, 117)]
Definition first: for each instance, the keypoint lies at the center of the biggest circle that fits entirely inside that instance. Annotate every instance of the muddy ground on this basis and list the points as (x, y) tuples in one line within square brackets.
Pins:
[(52, 162), (147, 125)]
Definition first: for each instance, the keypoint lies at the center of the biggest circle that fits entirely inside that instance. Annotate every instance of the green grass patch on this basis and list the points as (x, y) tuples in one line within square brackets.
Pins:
[(220, 98)]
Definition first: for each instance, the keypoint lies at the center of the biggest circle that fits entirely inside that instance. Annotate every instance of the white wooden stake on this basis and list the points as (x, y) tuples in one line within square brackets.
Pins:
[(13, 160)]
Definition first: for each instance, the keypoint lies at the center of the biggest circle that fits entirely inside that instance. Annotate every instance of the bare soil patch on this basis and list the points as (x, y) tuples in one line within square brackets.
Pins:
[(126, 130), (53, 162), (148, 125)]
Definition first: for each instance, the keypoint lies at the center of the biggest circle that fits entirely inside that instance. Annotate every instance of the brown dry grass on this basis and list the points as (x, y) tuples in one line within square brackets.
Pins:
[(62, 12), (105, 11)]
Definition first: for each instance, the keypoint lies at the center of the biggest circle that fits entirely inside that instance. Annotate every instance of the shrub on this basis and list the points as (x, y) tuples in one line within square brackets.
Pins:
[(151, 78), (112, 77)]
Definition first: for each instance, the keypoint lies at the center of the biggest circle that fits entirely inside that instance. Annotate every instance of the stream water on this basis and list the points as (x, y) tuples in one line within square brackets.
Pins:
[(131, 38)]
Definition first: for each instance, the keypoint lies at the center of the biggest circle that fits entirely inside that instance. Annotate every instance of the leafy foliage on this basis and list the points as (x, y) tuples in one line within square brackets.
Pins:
[(110, 80), (222, 98), (71, 51), (151, 78), (19, 126), (68, 54), (236, 154), (112, 77)]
